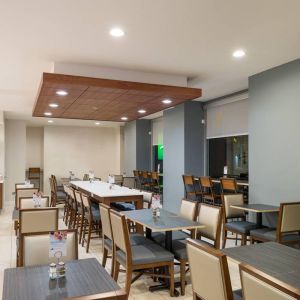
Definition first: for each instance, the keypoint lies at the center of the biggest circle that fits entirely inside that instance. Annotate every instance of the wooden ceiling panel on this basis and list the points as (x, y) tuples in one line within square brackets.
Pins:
[(104, 99)]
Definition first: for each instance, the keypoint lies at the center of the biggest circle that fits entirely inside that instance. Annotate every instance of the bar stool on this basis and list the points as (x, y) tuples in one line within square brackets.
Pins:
[(208, 194), (80, 214)]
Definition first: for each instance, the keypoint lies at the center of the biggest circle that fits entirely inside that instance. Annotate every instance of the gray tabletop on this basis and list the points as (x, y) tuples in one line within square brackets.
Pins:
[(166, 222), (258, 208), (274, 259), (83, 277)]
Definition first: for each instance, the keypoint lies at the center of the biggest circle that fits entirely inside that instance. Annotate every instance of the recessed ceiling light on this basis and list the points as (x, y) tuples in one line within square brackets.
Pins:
[(116, 32), (97, 123), (167, 101), (48, 113), (124, 118), (238, 53), (61, 93), (50, 121), (141, 111), (54, 105)]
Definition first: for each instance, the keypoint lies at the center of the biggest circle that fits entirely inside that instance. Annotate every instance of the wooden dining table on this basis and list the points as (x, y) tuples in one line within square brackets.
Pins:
[(83, 277), (277, 260)]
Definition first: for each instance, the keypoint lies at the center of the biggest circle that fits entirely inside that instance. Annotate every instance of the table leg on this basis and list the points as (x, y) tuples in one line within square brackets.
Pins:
[(148, 233), (259, 219), (168, 240)]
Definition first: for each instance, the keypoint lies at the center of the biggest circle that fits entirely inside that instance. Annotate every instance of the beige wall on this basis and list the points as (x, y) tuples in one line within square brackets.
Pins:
[(80, 149), (34, 147)]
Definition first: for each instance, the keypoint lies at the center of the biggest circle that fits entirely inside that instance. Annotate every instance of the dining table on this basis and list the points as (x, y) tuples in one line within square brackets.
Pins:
[(274, 259), (83, 277), (258, 209)]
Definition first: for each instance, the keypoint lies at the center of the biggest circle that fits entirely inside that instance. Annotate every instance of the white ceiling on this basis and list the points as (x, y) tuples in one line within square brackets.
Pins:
[(194, 38)]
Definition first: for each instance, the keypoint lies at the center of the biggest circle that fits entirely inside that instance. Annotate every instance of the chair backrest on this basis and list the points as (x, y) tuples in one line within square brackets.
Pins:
[(78, 199), (155, 176), (228, 185), (258, 285), (24, 192), (105, 221), (36, 220), (34, 173), (234, 199), (211, 217), (129, 182), (289, 217), (188, 209), (27, 202), (205, 182), (23, 186), (118, 179), (206, 263), (86, 205), (34, 248), (85, 177), (120, 234), (188, 181), (147, 198)]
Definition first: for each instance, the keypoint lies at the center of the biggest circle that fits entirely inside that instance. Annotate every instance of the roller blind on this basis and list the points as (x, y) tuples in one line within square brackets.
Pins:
[(227, 119)]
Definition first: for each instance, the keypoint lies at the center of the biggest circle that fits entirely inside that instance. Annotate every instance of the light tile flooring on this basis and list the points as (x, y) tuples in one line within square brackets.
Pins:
[(139, 289)]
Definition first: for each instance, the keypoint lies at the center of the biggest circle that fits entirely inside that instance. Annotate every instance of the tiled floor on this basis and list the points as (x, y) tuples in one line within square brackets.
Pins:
[(139, 289)]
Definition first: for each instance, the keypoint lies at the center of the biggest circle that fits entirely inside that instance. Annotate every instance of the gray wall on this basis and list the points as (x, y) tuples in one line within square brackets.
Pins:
[(129, 147), (143, 145), (274, 142)]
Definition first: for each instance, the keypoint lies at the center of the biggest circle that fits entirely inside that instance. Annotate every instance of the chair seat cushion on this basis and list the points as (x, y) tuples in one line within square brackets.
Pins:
[(123, 206), (159, 237), (270, 235), (240, 226), (61, 195), (146, 254)]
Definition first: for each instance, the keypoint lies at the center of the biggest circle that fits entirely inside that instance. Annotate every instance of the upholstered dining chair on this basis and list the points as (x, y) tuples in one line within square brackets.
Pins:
[(24, 192), (188, 210), (139, 257), (235, 219), (288, 226), (211, 217), (34, 248), (258, 285), (27, 202), (209, 273)]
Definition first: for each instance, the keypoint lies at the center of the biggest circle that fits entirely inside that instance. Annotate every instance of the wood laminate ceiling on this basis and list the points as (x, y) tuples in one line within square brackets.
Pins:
[(104, 99)]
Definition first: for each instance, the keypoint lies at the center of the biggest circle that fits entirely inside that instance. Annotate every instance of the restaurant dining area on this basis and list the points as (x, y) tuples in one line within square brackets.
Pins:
[(149, 150)]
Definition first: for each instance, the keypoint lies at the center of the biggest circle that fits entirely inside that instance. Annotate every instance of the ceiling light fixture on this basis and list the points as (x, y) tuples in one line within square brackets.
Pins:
[(50, 121), (61, 93), (54, 105), (141, 111), (124, 118), (116, 32), (238, 53), (97, 123), (48, 113), (167, 101)]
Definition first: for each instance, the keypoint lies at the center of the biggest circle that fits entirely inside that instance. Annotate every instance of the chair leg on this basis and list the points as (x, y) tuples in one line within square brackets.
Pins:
[(182, 276), (244, 240), (104, 257), (112, 264), (171, 274), (128, 280), (89, 237), (116, 270), (81, 228), (84, 232)]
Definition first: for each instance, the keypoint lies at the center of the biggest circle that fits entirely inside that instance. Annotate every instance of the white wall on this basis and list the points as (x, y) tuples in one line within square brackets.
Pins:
[(158, 131), (34, 147), (80, 149), (15, 155), (2, 144)]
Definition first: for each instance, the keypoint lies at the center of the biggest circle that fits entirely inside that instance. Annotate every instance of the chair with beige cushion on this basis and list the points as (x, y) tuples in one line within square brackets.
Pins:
[(139, 257), (211, 217), (188, 210), (24, 192), (257, 285), (209, 273), (288, 226), (235, 219), (27, 202), (34, 248)]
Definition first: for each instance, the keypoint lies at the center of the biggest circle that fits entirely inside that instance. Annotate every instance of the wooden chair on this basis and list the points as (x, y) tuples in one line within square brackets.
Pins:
[(209, 273), (85, 177), (208, 194), (156, 187), (211, 217), (34, 174), (34, 248), (146, 181), (188, 210), (57, 196), (235, 219), (23, 193), (288, 226), (147, 199), (189, 187), (68, 205), (80, 214), (74, 210), (91, 223), (116, 295), (129, 182), (27, 202), (258, 285), (228, 186), (137, 179), (140, 257)]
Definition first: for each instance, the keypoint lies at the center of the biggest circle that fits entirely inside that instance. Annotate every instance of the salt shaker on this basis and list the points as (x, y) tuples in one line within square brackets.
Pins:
[(52, 271)]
